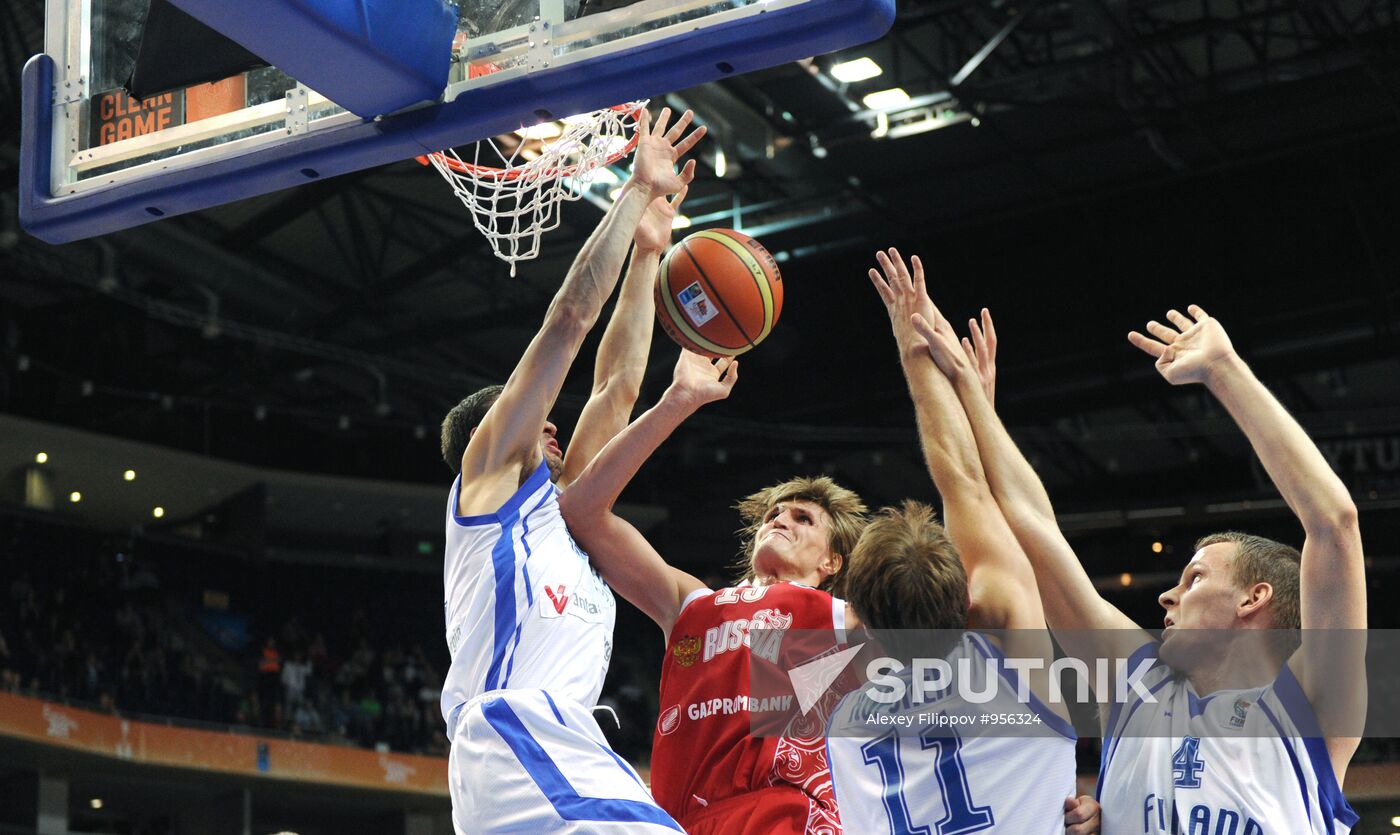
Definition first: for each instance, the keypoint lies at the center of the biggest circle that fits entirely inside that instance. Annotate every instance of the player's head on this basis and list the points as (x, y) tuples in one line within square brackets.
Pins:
[(465, 417), (1236, 580), (801, 530), (905, 574)]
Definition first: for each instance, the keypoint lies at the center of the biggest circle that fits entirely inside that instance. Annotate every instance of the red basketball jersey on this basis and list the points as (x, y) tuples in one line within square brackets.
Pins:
[(706, 768)]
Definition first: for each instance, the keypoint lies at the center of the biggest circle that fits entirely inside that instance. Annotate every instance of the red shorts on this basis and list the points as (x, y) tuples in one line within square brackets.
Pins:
[(780, 810)]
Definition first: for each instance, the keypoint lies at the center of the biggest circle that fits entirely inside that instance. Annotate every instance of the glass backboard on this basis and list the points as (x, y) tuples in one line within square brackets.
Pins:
[(95, 161)]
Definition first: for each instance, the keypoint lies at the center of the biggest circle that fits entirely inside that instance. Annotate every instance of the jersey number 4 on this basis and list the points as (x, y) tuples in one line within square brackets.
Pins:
[(960, 817), (1187, 764)]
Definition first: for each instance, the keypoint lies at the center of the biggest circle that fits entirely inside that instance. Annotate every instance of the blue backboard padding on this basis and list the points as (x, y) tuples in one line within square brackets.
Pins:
[(369, 56), (764, 40)]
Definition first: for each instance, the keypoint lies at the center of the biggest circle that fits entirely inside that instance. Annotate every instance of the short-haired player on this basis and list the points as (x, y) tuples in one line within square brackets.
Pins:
[(924, 589), (529, 622), (1242, 733)]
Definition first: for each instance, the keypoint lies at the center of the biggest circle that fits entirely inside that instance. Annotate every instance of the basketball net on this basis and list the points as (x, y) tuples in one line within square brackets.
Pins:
[(514, 200)]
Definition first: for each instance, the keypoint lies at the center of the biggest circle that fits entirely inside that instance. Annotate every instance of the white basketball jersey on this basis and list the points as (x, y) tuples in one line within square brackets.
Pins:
[(953, 779), (524, 609), (1237, 762)]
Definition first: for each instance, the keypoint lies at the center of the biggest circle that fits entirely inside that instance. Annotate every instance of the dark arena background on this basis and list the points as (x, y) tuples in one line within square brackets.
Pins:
[(219, 447)]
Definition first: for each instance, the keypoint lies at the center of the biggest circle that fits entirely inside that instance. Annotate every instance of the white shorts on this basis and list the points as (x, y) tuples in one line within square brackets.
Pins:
[(524, 762)]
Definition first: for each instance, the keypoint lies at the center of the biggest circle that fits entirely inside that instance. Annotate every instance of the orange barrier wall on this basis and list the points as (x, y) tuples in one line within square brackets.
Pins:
[(151, 744)]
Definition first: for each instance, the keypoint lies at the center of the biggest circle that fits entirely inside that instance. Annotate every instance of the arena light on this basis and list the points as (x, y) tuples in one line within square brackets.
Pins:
[(860, 69), (95, 803), (129, 475), (886, 99), (681, 222), (1156, 547), (41, 458), (158, 512), (1125, 579), (923, 120), (75, 497), (721, 162)]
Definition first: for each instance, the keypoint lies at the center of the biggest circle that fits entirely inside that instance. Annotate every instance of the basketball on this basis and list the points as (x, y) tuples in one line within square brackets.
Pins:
[(719, 293)]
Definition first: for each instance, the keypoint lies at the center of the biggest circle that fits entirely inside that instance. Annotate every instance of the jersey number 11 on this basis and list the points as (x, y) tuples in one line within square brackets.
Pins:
[(960, 817)]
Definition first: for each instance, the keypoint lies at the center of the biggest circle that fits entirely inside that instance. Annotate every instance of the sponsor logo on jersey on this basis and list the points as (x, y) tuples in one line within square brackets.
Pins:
[(686, 650), (558, 598), (732, 634), (738, 704), (669, 721), (592, 603)]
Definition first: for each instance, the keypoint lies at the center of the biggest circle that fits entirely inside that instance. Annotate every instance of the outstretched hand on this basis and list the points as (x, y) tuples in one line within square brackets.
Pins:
[(904, 294), (654, 232), (697, 380), (658, 150), (1191, 351), (981, 350)]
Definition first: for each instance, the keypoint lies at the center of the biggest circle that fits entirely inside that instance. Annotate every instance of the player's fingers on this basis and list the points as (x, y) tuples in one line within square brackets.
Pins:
[(898, 261), (643, 121), (686, 144), (880, 287), (918, 266), (929, 331), (969, 350), (1179, 319), (679, 127), (1198, 312), (1075, 812), (1162, 332), (659, 129), (924, 327), (975, 330), (733, 375), (1148, 346), (891, 274), (990, 329), (687, 174)]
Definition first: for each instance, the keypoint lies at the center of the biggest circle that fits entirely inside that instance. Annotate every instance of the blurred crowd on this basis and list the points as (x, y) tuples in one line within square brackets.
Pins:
[(87, 624)]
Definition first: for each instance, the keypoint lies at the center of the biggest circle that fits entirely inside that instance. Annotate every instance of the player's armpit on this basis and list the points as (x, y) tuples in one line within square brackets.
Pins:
[(628, 562)]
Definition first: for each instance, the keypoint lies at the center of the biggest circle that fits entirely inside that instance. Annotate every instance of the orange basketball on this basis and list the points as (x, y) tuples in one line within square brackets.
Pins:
[(719, 293)]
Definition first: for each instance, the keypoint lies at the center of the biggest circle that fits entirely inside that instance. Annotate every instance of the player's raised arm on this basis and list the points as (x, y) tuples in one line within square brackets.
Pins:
[(622, 354), (1332, 574), (617, 550), (1071, 603), (507, 440), (1000, 582)]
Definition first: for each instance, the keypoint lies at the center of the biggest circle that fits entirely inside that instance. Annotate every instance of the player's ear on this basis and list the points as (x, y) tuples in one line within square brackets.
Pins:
[(832, 564), (1254, 599)]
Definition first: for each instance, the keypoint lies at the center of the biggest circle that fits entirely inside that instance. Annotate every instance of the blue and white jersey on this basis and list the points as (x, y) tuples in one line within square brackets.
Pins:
[(954, 777), (1237, 762), (524, 609)]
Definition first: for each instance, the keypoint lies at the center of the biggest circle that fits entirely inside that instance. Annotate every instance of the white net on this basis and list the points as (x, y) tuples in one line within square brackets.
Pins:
[(514, 196)]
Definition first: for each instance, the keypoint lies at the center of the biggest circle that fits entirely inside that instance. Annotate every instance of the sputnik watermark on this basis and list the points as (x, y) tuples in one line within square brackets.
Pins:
[(933, 679)]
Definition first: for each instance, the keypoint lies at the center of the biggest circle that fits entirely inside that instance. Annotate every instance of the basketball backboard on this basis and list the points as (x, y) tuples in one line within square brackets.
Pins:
[(94, 161)]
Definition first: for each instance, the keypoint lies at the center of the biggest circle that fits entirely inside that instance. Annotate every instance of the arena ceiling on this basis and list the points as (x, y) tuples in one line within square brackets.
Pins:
[(1107, 160)]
